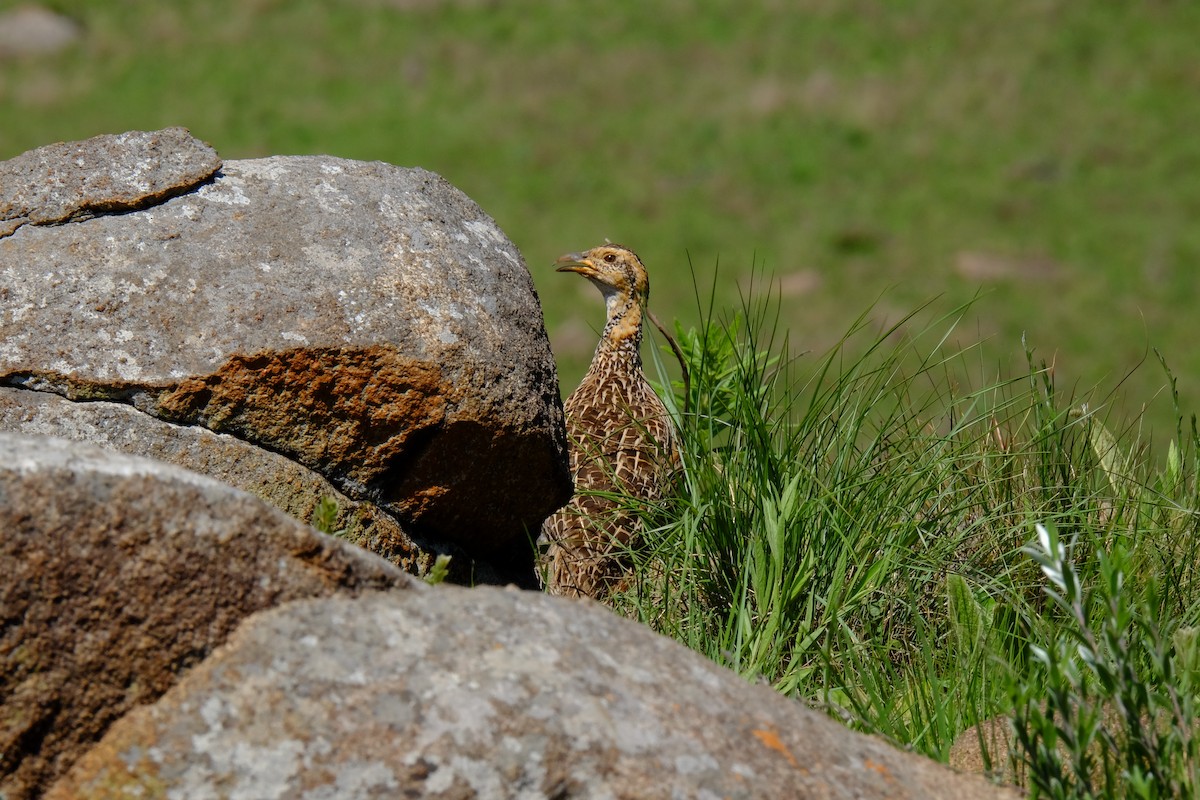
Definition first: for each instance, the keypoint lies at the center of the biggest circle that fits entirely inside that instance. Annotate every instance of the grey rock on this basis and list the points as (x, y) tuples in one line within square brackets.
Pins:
[(368, 322), (121, 573), (268, 476), (102, 175), (31, 30), (991, 747), (988, 749), (454, 693)]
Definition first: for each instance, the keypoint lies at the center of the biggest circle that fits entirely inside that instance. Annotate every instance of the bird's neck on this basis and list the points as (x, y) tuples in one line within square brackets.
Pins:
[(622, 335)]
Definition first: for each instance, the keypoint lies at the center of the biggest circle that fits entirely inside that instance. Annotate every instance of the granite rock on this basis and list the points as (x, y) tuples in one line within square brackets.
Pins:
[(456, 693), (368, 322), (121, 573)]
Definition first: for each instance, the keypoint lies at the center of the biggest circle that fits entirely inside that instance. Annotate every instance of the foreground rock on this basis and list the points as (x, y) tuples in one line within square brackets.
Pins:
[(367, 322), (269, 476), (120, 574), (492, 693)]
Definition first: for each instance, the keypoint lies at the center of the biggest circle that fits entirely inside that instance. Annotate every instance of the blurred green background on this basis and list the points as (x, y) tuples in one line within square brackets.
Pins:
[(1043, 152)]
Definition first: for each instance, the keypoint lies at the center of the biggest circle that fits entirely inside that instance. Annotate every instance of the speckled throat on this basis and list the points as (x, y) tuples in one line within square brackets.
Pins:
[(622, 335)]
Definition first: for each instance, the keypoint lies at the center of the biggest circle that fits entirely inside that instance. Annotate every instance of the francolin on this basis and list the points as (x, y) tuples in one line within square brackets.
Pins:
[(621, 441)]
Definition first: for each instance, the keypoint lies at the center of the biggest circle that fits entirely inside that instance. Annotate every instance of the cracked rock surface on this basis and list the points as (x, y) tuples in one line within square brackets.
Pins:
[(269, 476), (120, 573), (455, 693), (119, 172), (369, 323)]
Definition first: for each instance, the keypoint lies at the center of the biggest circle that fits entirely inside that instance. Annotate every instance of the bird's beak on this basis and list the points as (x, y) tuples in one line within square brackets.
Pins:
[(573, 262)]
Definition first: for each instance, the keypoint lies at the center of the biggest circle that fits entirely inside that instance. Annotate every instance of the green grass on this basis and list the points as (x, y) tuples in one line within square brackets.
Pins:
[(1038, 149), (861, 530), (855, 506)]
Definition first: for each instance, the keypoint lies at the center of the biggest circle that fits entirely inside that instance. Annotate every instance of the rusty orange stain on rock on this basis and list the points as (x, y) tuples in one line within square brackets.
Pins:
[(389, 427), (875, 766), (772, 740), (355, 412)]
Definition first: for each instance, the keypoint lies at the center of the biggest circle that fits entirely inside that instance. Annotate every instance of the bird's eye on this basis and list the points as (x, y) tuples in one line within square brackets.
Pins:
[(610, 257)]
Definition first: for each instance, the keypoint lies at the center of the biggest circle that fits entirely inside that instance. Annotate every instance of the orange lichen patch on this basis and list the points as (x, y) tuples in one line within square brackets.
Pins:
[(772, 740), (875, 766), (347, 412), (387, 428)]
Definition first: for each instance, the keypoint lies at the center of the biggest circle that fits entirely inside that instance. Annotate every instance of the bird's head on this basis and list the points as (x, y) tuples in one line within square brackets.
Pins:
[(615, 270)]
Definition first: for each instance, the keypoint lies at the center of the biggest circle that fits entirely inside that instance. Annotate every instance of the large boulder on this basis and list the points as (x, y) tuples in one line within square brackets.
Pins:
[(120, 573), (457, 693), (367, 322), (278, 480)]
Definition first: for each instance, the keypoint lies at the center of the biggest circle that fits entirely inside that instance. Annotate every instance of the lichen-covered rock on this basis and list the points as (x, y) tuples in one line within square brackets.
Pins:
[(455, 693), (368, 322), (279, 481), (119, 574), (102, 175)]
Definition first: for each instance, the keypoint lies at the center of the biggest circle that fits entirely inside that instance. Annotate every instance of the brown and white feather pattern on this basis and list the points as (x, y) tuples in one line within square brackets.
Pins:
[(621, 439)]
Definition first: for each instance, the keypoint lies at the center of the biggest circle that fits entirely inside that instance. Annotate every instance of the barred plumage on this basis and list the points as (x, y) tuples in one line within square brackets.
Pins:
[(620, 436)]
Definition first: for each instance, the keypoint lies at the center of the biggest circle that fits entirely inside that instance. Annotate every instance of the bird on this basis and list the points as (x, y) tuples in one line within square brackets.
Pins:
[(621, 441)]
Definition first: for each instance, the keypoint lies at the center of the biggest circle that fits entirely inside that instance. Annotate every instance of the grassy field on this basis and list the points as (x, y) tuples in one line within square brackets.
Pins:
[(1043, 153), (917, 556), (855, 507)]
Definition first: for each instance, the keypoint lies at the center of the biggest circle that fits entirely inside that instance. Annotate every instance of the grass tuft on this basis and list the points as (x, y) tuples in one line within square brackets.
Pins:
[(852, 529)]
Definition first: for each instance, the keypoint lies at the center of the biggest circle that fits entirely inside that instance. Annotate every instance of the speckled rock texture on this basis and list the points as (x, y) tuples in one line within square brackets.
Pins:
[(106, 174), (987, 749), (368, 322), (119, 574), (269, 476), (490, 693)]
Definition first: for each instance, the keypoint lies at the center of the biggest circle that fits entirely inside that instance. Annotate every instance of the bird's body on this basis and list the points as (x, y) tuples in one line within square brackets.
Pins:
[(621, 440)]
